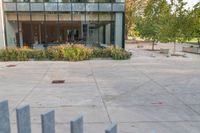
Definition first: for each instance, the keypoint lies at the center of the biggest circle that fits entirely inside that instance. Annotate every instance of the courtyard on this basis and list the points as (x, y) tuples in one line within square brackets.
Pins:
[(150, 93)]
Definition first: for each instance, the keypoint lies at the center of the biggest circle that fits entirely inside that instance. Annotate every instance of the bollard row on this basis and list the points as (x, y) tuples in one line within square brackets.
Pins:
[(48, 121)]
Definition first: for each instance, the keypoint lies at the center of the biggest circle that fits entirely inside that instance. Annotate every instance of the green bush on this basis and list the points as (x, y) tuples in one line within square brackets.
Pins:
[(39, 55), (3, 55), (55, 53), (114, 53), (102, 52), (120, 54), (76, 53), (63, 52), (69, 53), (14, 54)]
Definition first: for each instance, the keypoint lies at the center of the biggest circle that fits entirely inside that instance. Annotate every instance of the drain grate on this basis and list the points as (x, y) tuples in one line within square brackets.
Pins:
[(58, 82)]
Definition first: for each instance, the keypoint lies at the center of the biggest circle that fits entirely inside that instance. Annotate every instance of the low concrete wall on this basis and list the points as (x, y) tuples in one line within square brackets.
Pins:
[(191, 50)]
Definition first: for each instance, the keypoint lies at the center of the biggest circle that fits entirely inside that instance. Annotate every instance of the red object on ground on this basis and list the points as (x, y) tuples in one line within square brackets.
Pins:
[(58, 81), (11, 65), (158, 103)]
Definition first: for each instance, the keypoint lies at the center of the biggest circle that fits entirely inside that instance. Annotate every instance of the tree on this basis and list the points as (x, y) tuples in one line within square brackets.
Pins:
[(134, 9), (178, 26), (150, 25), (195, 18)]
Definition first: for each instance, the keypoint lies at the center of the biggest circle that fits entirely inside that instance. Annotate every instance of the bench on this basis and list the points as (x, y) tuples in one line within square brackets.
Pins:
[(164, 51)]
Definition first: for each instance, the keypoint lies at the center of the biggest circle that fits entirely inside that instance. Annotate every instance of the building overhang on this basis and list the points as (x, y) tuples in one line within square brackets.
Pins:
[(64, 7)]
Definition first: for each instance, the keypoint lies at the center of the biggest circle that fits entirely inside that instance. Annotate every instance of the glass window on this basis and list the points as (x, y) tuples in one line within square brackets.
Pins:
[(9, 0), (23, 0), (37, 1), (106, 28), (65, 1), (99, 1), (11, 29)]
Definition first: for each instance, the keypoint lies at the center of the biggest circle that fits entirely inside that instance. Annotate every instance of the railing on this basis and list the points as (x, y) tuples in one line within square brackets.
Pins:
[(47, 119)]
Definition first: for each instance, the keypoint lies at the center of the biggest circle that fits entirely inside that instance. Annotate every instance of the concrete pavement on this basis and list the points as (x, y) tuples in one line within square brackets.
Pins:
[(143, 95)]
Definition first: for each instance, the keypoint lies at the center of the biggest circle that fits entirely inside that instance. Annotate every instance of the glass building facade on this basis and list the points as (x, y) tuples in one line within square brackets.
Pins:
[(42, 23)]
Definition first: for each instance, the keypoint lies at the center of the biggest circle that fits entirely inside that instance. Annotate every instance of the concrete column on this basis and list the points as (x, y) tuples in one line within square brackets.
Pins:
[(112, 128), (108, 32), (76, 125), (101, 34), (4, 117), (2, 32), (48, 122), (23, 119), (118, 29), (20, 34)]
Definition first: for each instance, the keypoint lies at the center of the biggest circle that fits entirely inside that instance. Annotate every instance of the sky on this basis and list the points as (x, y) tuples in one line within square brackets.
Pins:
[(191, 3)]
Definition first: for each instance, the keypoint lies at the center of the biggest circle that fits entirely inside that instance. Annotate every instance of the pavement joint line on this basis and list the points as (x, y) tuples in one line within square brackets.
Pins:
[(198, 113), (68, 123), (128, 122), (98, 88), (181, 121), (96, 106), (69, 106), (28, 94)]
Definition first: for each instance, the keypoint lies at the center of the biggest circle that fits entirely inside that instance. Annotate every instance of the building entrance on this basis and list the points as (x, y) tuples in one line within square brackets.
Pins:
[(39, 34)]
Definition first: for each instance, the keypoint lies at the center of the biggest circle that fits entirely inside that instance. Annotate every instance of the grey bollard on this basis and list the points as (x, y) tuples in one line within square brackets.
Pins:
[(4, 117), (76, 125), (48, 122), (112, 128), (23, 119)]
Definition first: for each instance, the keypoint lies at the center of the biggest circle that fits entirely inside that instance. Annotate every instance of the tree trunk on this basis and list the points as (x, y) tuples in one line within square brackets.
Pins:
[(126, 33), (153, 45), (126, 36), (174, 48)]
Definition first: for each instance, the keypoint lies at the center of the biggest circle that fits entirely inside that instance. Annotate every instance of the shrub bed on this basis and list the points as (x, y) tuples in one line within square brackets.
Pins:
[(69, 53), (63, 53), (14, 54)]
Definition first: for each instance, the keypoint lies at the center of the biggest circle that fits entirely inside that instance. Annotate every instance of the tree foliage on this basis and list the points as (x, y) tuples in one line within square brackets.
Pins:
[(179, 27), (195, 18), (169, 22), (179, 22), (134, 8)]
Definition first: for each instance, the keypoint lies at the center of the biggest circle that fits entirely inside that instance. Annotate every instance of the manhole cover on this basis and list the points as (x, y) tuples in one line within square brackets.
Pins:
[(11, 66), (58, 81)]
